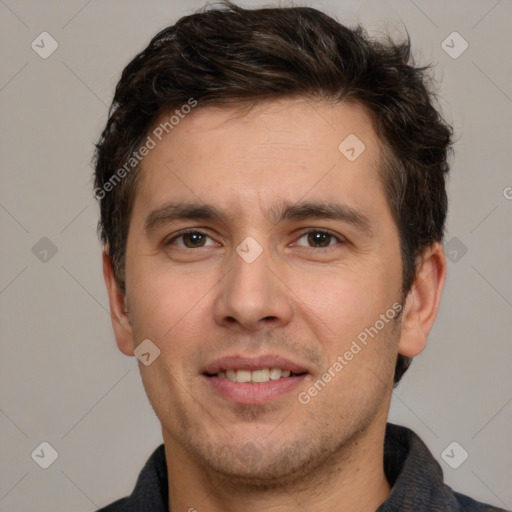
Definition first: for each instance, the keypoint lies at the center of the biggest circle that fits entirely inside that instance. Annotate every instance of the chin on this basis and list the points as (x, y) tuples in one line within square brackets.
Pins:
[(253, 466)]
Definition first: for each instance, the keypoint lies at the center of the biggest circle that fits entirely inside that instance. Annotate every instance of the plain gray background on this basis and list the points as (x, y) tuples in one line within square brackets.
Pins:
[(62, 378)]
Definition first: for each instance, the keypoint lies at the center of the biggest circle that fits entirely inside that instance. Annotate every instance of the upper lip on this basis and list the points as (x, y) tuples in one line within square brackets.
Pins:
[(252, 363)]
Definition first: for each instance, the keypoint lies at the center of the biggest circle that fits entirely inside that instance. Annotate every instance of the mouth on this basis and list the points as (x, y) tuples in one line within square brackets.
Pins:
[(255, 376), (253, 380)]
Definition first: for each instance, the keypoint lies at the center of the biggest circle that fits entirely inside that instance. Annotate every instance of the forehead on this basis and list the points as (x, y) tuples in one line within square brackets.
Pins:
[(271, 152)]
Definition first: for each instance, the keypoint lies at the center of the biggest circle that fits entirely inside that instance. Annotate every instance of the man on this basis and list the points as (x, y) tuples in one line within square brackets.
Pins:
[(272, 194)]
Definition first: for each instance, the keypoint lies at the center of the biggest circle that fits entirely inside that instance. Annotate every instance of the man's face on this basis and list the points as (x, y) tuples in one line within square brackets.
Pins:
[(272, 284)]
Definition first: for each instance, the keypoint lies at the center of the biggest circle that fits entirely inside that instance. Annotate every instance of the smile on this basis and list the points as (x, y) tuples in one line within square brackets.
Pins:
[(259, 376), (253, 380)]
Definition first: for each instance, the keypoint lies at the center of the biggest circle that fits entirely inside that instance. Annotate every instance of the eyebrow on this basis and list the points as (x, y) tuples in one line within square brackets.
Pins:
[(305, 210), (328, 210), (171, 212)]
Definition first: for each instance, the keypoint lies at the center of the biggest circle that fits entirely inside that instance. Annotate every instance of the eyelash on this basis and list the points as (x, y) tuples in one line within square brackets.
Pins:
[(183, 233), (303, 233), (336, 237)]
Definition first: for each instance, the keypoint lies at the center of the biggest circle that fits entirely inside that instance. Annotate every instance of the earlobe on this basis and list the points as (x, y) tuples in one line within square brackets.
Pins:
[(118, 310), (422, 302)]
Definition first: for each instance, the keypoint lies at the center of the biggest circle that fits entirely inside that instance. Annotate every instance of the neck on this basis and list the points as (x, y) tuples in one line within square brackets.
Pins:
[(353, 480)]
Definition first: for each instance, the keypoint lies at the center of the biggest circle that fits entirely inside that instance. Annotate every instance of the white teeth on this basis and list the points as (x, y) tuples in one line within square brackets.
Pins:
[(275, 373), (243, 376), (260, 375), (263, 375)]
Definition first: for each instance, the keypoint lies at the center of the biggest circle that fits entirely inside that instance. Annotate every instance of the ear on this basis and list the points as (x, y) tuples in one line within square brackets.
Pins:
[(120, 319), (422, 302)]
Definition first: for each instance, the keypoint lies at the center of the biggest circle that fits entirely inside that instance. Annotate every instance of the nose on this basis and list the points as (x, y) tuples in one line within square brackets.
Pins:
[(252, 297)]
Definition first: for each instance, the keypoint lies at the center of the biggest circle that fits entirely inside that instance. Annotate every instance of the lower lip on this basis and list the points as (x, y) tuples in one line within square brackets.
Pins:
[(248, 393)]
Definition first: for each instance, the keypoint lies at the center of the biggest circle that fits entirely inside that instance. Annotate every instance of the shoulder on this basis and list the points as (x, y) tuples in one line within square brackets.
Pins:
[(468, 504), (151, 488), (416, 478)]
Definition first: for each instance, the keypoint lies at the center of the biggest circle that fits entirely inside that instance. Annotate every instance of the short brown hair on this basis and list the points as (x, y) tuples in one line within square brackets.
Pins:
[(231, 54)]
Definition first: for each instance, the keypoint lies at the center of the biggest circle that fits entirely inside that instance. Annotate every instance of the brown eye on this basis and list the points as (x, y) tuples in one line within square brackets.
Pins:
[(318, 239), (191, 240)]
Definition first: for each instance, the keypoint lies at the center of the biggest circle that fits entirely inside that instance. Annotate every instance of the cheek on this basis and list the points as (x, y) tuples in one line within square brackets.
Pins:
[(341, 299), (170, 310), (165, 311), (165, 299), (343, 311)]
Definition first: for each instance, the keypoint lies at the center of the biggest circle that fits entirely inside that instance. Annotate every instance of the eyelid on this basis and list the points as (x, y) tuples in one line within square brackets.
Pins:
[(307, 231), (341, 239), (171, 238)]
